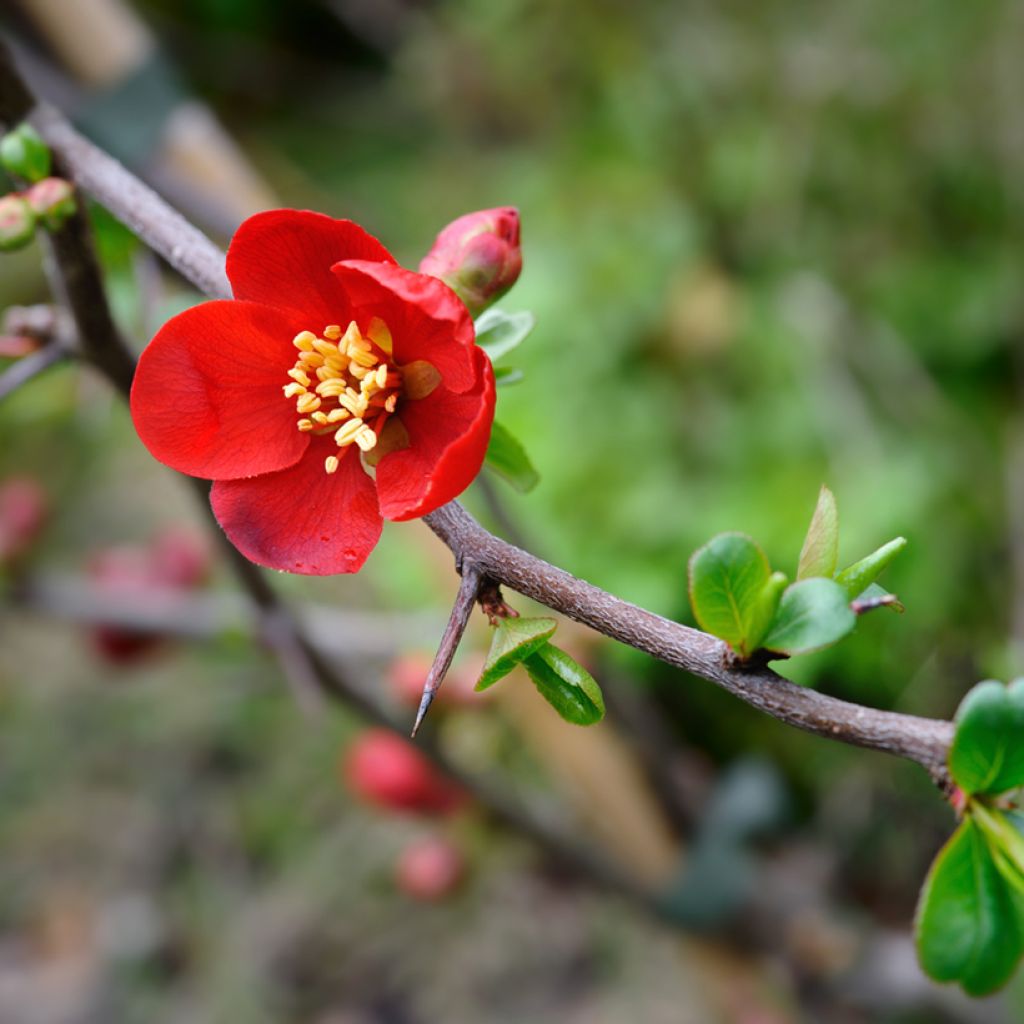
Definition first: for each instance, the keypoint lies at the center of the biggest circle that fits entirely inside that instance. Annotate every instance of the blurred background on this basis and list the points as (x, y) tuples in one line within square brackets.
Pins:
[(768, 246)]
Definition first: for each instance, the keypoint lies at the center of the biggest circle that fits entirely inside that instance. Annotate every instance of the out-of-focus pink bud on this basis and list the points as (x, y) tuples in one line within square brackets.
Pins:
[(52, 201), (478, 256), (387, 771), (176, 560), (430, 869), (23, 509), (17, 223)]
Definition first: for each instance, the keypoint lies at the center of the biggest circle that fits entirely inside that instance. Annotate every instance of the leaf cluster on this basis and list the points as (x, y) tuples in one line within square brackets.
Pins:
[(970, 914), (737, 597), (565, 684)]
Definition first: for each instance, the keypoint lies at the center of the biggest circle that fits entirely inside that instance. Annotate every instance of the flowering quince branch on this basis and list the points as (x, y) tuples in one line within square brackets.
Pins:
[(923, 740)]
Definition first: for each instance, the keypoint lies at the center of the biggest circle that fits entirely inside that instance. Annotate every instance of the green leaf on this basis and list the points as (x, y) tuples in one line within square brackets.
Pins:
[(987, 755), (812, 614), (728, 576), (1005, 842), (514, 640), (566, 685), (497, 333), (763, 611), (858, 577), (507, 457), (820, 552), (504, 376), (968, 923)]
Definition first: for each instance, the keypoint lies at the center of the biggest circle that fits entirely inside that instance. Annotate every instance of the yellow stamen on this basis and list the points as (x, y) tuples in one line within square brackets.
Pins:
[(299, 375), (331, 388), (291, 390), (311, 360), (305, 426), (304, 341), (346, 434), (307, 403), (382, 375), (332, 331), (331, 463), (366, 439), (351, 335), (391, 402), (337, 415), (320, 418), (325, 348)]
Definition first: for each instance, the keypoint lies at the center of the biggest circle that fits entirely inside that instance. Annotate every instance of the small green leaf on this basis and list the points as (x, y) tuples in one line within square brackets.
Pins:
[(728, 576), (820, 552), (968, 923), (504, 376), (762, 612), (858, 577), (566, 685), (24, 153), (507, 457), (812, 614), (514, 640), (987, 755), (497, 333)]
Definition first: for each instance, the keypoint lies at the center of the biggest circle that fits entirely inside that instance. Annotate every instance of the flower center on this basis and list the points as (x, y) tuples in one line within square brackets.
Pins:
[(343, 383)]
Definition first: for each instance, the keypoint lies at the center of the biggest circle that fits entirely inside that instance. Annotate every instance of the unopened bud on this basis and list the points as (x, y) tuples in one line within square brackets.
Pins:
[(24, 153), (17, 223), (53, 201), (478, 256)]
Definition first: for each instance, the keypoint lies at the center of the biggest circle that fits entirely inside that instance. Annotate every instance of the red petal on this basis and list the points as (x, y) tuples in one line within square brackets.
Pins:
[(284, 258), (207, 393), (449, 434), (303, 519), (426, 318)]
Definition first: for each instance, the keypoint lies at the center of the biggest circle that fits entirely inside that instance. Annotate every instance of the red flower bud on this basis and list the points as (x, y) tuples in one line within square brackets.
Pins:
[(53, 201), (430, 869), (17, 223), (478, 256), (386, 771), (23, 511)]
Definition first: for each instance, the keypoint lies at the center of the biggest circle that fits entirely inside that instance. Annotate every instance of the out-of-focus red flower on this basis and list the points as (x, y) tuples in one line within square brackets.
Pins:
[(430, 869), (23, 511), (329, 355), (387, 771), (408, 672), (478, 256), (176, 560)]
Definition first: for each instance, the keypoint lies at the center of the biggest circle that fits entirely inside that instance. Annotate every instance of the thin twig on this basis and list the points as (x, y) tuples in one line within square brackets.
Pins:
[(465, 602), (925, 741), (31, 366)]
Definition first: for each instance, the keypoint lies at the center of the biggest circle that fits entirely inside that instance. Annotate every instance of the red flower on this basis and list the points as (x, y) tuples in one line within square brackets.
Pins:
[(329, 356)]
